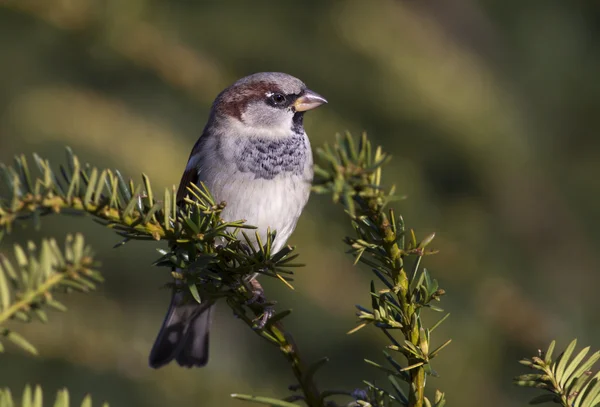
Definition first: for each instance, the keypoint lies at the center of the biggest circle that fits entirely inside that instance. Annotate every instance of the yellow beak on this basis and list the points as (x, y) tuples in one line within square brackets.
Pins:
[(309, 100)]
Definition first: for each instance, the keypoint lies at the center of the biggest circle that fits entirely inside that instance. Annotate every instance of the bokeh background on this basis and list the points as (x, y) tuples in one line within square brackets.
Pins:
[(489, 108)]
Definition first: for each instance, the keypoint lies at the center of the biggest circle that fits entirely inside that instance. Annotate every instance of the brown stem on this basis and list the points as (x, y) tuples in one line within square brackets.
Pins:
[(290, 350), (280, 337)]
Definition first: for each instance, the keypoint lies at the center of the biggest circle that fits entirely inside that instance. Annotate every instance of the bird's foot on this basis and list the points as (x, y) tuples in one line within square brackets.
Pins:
[(258, 293), (258, 298), (268, 312)]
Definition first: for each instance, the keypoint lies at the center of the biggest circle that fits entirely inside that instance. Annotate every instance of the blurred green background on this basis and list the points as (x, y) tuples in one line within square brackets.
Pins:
[(489, 108)]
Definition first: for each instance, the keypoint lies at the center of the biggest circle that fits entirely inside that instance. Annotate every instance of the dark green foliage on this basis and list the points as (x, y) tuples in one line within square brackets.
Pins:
[(192, 230), (212, 257), (352, 172), (214, 260)]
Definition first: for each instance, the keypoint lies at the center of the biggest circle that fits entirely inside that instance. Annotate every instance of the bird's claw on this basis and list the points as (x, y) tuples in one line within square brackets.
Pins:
[(258, 293), (261, 321), (258, 298)]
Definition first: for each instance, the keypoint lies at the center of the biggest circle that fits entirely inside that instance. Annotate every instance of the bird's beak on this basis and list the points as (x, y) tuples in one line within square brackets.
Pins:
[(308, 100)]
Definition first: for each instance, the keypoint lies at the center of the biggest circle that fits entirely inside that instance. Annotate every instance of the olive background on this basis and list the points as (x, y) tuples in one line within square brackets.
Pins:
[(489, 109)]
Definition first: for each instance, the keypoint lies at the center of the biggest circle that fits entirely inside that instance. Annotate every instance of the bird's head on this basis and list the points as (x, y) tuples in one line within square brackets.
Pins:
[(270, 104)]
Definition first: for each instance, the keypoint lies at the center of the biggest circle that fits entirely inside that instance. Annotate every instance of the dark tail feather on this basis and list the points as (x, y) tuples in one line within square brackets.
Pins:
[(183, 335), (194, 347)]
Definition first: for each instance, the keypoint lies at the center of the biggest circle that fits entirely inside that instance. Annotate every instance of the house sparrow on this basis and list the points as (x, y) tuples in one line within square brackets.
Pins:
[(254, 155)]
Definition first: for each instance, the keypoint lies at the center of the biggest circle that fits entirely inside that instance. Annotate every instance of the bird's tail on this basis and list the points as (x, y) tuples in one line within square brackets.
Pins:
[(184, 334)]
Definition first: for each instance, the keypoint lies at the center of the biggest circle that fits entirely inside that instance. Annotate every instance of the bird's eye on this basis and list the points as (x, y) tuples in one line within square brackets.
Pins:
[(277, 99)]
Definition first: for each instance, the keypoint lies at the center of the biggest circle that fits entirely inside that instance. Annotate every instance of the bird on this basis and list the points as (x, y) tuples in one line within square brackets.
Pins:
[(253, 154)]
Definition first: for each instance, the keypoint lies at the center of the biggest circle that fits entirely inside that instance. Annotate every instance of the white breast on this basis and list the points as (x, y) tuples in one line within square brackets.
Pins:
[(275, 203)]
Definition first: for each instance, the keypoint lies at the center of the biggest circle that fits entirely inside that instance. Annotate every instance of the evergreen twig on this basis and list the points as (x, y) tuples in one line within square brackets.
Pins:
[(37, 275), (211, 258), (351, 172), (569, 381), (212, 261), (34, 398)]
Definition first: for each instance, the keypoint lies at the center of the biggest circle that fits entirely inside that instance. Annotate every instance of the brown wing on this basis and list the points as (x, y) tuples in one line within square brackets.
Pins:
[(190, 175)]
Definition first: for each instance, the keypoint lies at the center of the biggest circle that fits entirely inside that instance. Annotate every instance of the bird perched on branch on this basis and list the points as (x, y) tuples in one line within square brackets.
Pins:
[(254, 155)]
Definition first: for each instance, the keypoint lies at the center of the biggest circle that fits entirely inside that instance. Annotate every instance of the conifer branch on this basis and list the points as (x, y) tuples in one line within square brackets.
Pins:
[(213, 258), (351, 172), (34, 398), (194, 229), (569, 381), (36, 276)]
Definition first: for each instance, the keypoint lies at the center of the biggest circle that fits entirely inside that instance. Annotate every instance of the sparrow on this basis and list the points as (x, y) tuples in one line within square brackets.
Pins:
[(255, 155)]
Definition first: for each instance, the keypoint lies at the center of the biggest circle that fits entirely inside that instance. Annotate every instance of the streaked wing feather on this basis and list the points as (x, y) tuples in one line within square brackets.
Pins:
[(189, 176)]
